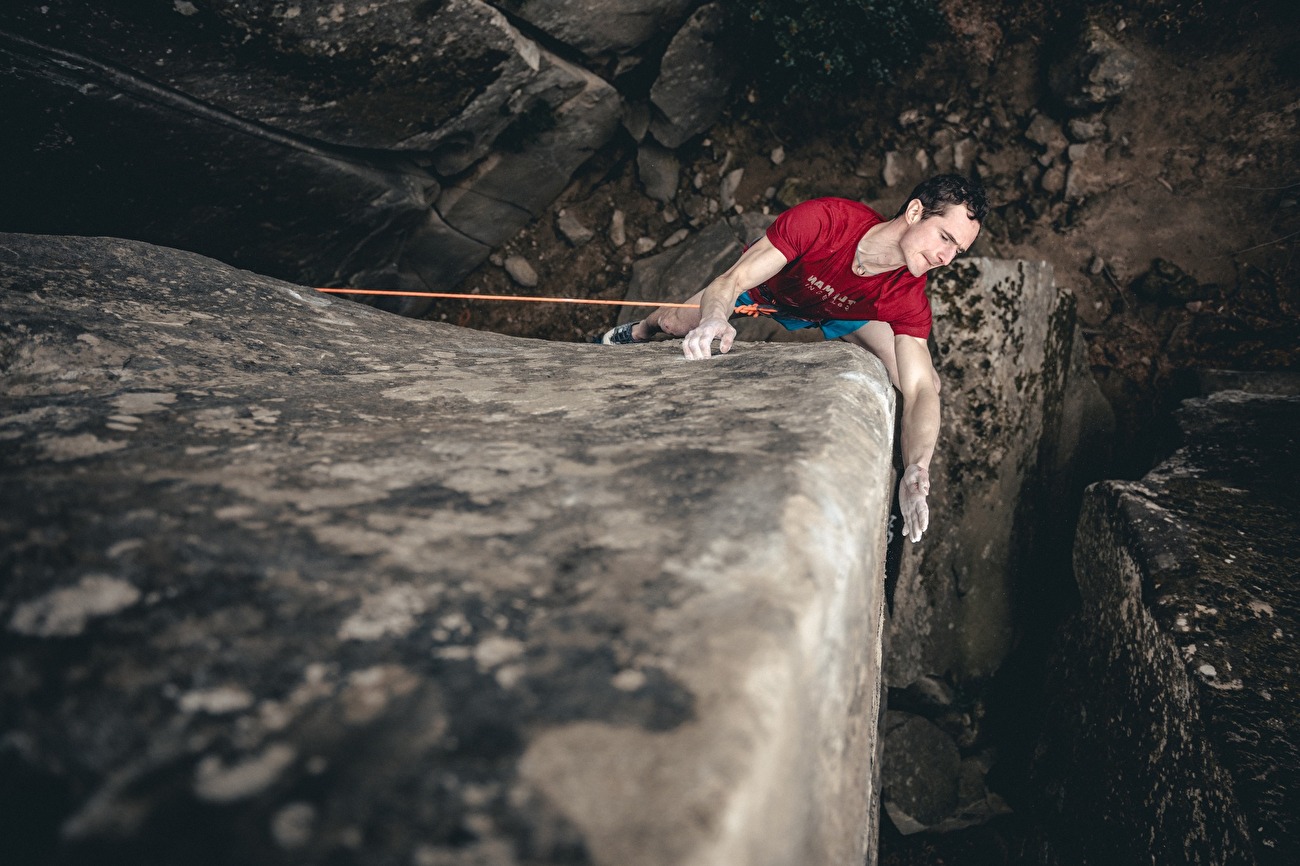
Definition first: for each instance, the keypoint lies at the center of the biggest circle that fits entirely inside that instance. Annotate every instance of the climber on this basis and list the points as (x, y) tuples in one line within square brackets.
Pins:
[(840, 266)]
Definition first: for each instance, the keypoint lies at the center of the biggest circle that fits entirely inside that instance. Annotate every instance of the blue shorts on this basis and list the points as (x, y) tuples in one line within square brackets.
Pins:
[(831, 328)]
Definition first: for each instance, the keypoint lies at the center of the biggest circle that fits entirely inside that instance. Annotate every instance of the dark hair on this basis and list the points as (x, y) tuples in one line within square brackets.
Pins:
[(944, 190)]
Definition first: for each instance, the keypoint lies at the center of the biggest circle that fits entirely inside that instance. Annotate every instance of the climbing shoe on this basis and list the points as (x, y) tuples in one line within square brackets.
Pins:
[(620, 335)]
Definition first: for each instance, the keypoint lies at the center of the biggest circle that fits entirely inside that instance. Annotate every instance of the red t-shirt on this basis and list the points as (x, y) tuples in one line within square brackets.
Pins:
[(819, 238)]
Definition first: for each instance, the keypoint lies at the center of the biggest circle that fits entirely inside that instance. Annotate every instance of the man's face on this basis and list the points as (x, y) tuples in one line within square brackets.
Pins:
[(935, 241)]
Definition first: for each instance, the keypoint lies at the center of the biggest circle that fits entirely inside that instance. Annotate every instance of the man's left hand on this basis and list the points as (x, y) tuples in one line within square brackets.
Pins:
[(912, 491)]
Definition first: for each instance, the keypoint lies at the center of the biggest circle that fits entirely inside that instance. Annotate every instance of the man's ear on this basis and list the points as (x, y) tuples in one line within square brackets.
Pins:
[(914, 211)]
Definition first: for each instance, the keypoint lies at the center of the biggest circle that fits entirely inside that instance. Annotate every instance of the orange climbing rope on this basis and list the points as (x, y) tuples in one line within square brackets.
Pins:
[(744, 310)]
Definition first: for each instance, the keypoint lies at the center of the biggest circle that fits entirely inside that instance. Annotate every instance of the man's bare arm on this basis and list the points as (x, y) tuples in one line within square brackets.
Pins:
[(920, 431), (757, 264)]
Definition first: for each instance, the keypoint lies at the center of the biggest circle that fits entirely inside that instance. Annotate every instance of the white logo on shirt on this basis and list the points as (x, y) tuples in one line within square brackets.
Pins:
[(814, 283)]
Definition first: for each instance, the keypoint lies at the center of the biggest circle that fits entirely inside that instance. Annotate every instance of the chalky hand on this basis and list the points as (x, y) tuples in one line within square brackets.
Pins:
[(912, 491)]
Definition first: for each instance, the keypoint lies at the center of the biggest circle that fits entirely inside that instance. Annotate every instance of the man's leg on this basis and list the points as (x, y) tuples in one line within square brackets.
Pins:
[(878, 339)]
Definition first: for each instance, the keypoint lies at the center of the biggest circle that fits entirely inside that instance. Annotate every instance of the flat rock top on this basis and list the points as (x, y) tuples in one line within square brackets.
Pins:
[(321, 580)]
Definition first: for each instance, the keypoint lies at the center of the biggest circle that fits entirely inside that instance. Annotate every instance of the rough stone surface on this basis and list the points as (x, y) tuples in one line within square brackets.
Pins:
[(1013, 387), (893, 173), (306, 141), (521, 271), (617, 228), (1173, 693), (370, 75), (1024, 428), (679, 272), (289, 579), (1096, 72), (573, 229), (599, 27), (187, 175), (1047, 133), (919, 772), (727, 188), (511, 187), (694, 80), (1094, 169), (659, 171)]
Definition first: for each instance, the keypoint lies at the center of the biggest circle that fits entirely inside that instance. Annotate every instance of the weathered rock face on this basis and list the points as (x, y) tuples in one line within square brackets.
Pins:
[(187, 175), (1173, 692), (1023, 427), (292, 580), (1004, 339), (238, 130), (694, 81), (1096, 71), (678, 273), (599, 28), (442, 80), (386, 145)]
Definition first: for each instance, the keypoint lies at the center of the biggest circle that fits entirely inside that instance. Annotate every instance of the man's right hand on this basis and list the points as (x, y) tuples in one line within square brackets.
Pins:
[(912, 490), (698, 342)]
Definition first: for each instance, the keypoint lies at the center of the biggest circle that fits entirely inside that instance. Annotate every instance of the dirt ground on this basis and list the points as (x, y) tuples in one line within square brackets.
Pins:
[(1196, 167)]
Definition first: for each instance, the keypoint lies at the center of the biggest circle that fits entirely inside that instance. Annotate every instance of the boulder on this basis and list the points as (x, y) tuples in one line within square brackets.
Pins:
[(1094, 169), (695, 79), (599, 28), (292, 580), (1167, 283), (1172, 693), (1024, 429), (1093, 73), (926, 785), (920, 764), (357, 75), (514, 185), (573, 229), (191, 176), (521, 271), (305, 141), (1020, 415), (659, 171)]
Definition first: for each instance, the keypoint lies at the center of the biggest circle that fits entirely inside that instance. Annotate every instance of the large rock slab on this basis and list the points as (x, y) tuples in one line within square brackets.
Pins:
[(92, 149), (1024, 429), (389, 145), (600, 28), (1019, 411), (1171, 734), (694, 80), (292, 580), (403, 74)]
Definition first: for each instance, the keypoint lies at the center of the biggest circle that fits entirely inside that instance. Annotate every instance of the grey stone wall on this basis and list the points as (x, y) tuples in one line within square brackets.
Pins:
[(386, 145), (292, 580), (1170, 736), (1023, 425)]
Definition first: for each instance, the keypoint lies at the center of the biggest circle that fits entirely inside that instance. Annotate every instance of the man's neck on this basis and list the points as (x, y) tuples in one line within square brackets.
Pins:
[(878, 250)]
